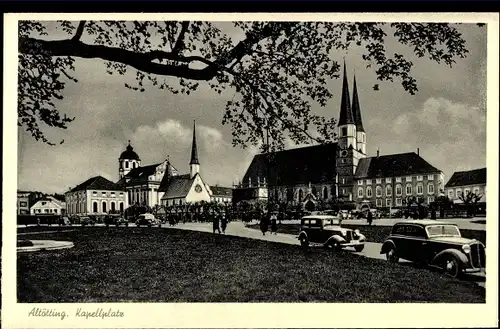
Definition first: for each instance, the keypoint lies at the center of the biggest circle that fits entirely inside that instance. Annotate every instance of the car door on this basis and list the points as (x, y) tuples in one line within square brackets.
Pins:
[(415, 243), (398, 236), (315, 229)]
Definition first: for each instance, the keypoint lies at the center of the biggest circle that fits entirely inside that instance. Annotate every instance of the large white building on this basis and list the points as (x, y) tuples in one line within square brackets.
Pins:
[(95, 196), (463, 182), (161, 184), (48, 206)]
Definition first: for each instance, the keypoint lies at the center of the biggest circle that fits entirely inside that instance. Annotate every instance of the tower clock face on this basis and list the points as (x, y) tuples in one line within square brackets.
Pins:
[(198, 188), (343, 153)]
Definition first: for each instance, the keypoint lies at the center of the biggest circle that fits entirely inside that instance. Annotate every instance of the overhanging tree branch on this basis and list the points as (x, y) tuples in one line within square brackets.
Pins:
[(79, 31)]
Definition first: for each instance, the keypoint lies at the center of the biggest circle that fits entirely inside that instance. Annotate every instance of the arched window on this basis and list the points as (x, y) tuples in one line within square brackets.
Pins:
[(133, 165), (325, 192), (121, 206), (388, 190), (408, 189), (300, 195), (399, 189), (420, 188), (368, 191), (360, 192), (94, 206), (126, 164), (378, 191), (289, 195), (113, 206), (104, 206)]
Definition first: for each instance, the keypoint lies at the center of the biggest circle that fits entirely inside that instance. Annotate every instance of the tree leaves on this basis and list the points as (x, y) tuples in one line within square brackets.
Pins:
[(276, 72)]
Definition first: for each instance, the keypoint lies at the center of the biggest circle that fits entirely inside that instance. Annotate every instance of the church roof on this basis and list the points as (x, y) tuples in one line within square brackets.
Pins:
[(346, 115), (97, 183), (356, 110), (194, 148), (312, 164), (178, 186), (393, 165), (129, 153), (141, 174), (221, 191), (471, 177)]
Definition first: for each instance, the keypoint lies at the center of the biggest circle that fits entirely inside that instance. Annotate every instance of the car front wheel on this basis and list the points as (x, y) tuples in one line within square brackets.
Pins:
[(359, 248), (391, 255), (335, 246), (304, 243), (451, 266)]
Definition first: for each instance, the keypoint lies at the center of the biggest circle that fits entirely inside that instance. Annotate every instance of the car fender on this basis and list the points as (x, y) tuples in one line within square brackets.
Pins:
[(460, 255), (361, 237), (336, 238), (303, 234), (387, 244)]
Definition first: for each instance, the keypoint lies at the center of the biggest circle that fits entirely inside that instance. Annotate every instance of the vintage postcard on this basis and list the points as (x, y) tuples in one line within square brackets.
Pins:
[(250, 170)]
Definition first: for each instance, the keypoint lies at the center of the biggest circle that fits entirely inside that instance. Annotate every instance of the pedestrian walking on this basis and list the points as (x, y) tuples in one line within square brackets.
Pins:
[(215, 221), (433, 213), (369, 217), (274, 224), (264, 223), (223, 222)]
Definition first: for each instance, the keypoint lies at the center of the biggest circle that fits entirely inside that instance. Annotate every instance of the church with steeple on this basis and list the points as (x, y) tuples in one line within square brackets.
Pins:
[(341, 170), (161, 183)]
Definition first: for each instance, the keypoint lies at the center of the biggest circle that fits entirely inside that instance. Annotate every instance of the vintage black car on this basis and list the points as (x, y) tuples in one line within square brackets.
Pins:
[(436, 244), (115, 220), (87, 220), (325, 230)]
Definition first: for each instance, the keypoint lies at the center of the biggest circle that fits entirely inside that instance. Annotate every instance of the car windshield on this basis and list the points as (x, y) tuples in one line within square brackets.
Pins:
[(330, 222), (442, 230)]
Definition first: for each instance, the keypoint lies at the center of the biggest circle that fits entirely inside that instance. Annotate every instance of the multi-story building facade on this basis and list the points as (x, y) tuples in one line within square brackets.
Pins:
[(221, 194), (48, 206), (463, 182), (342, 170), (96, 196), (25, 200)]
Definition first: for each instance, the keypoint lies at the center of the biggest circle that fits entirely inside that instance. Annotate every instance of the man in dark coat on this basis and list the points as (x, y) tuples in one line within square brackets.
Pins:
[(223, 221), (215, 221), (264, 223), (369, 217)]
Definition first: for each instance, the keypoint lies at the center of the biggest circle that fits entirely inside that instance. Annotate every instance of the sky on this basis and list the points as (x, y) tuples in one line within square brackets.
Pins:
[(446, 120)]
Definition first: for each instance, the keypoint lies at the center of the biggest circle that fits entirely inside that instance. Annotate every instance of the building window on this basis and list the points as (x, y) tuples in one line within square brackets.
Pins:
[(343, 180), (325, 193), (430, 177), (388, 190), (408, 179), (94, 206), (430, 188), (103, 193), (430, 199), (344, 131), (369, 192), (121, 206), (450, 194), (133, 165), (476, 190), (126, 164), (113, 206), (399, 189), (388, 180), (379, 202), (343, 160), (388, 202), (408, 189), (360, 182), (378, 191), (360, 192), (398, 179), (420, 189), (368, 182), (104, 206), (459, 193), (180, 201), (399, 202), (379, 181), (23, 204), (420, 178)]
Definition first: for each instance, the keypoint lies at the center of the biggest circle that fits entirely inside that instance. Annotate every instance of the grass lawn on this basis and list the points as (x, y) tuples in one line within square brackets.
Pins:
[(163, 265), (374, 233)]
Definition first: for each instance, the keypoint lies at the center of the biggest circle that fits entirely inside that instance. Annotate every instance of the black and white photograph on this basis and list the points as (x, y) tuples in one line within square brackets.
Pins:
[(270, 163)]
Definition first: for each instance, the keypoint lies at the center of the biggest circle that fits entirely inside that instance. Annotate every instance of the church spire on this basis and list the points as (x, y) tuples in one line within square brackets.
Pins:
[(194, 149), (356, 111), (346, 116)]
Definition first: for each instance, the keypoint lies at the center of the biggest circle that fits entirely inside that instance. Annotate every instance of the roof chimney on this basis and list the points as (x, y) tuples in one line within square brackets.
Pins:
[(418, 151), (378, 152)]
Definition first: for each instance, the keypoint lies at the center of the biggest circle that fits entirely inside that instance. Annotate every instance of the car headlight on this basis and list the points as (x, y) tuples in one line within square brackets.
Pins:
[(356, 231), (466, 248)]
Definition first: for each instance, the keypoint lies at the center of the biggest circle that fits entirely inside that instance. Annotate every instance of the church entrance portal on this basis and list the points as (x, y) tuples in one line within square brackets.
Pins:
[(310, 206)]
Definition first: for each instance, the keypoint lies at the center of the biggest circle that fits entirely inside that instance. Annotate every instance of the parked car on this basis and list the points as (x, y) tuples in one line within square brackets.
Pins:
[(344, 214), (326, 230), (86, 220), (115, 220), (146, 220), (436, 244)]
